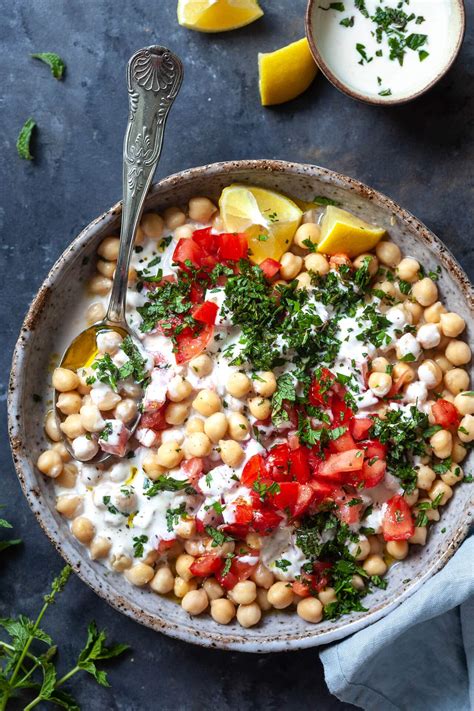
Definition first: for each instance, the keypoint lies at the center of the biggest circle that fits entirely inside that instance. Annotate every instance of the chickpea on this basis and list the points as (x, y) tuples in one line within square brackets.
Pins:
[(50, 463), (373, 263), (183, 232), (260, 407), (397, 549), (181, 587), (357, 582), (425, 291), (388, 253), (83, 529), (456, 380), (442, 443), (186, 528), (152, 225), (100, 285), (408, 270), (213, 589), (363, 549), (201, 209), (239, 426), (244, 592), (430, 513), (106, 268), (253, 540), (65, 380), (215, 427), (198, 444), (51, 427), (262, 599), (380, 383), (458, 353), (249, 615), (419, 537), (307, 231), (430, 373), (290, 265), (411, 498), (413, 311), (109, 248), (195, 424), (231, 452), (405, 371), (304, 280), (84, 447), (452, 325), (316, 263), (428, 335), (222, 611), (263, 577), (140, 574), (170, 454), (195, 602), (374, 564), (99, 548), (68, 476), (387, 287), (327, 596), (201, 365), (459, 452), (464, 403), (62, 450), (238, 384), (174, 217), (69, 403), (120, 562), (310, 609), (127, 410), (68, 505), (453, 476), (207, 402), (108, 400), (466, 429), (379, 365), (265, 384), (194, 547), (376, 545), (176, 413), (280, 595), (95, 313), (163, 581), (425, 477), (440, 488), (179, 389), (183, 565), (432, 314), (72, 426), (151, 466)]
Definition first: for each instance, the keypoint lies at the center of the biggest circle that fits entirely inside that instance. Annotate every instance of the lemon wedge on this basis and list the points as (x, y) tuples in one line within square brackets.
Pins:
[(285, 73), (217, 15), (268, 218), (344, 233)]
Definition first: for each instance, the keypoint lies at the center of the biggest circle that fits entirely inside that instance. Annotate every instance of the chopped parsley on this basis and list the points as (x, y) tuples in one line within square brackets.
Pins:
[(138, 545), (218, 537), (167, 483), (173, 516)]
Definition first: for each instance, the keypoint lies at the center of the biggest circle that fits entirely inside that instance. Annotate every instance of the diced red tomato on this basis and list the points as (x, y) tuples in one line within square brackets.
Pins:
[(277, 462), (270, 267), (372, 473), (339, 260), (254, 470), (206, 313), (239, 570), (232, 246), (374, 448), (265, 520), (397, 524), (398, 384), (206, 564), (187, 250), (312, 583), (154, 420), (445, 414), (291, 411), (118, 447), (299, 465), (196, 293), (206, 240), (193, 469), (306, 495), (190, 344), (341, 412), (243, 512), (321, 490), (347, 514), (287, 496), (359, 427), (349, 461), (342, 443), (164, 546), (319, 392)]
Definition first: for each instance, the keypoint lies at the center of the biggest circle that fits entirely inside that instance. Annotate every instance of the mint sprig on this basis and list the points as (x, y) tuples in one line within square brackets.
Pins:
[(54, 62)]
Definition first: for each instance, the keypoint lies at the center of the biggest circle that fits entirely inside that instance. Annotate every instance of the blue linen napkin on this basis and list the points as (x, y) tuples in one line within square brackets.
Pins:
[(421, 655)]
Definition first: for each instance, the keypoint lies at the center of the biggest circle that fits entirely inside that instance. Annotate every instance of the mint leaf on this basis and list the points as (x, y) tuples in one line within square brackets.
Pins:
[(54, 62), (24, 138)]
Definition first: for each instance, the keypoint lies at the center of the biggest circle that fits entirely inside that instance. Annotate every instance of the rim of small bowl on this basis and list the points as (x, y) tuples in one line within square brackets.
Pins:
[(366, 98), (271, 642)]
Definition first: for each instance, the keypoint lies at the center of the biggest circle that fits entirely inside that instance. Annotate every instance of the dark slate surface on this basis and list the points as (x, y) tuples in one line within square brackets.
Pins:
[(420, 154)]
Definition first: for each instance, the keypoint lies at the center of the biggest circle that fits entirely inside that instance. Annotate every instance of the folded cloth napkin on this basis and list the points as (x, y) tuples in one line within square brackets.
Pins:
[(418, 657)]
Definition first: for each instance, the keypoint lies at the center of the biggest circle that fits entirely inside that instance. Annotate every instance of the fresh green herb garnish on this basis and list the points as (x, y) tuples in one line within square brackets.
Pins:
[(173, 516), (167, 483), (347, 22), (138, 544), (218, 537), (106, 432), (24, 139), (11, 541), (283, 564), (54, 62), (322, 200)]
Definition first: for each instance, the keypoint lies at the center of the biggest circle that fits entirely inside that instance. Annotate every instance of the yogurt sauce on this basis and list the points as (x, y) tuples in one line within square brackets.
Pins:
[(354, 55)]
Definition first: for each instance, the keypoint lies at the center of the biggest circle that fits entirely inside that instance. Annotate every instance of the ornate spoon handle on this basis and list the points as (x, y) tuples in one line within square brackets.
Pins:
[(154, 76)]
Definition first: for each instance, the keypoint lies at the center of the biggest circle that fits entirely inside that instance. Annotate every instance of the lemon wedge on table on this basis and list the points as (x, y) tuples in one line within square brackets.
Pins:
[(285, 73), (344, 233), (268, 218), (217, 15)]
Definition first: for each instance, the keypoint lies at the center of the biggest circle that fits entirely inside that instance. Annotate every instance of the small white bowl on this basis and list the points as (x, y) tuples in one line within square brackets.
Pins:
[(324, 36)]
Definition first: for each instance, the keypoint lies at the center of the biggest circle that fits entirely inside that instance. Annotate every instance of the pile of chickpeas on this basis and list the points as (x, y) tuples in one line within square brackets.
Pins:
[(441, 360)]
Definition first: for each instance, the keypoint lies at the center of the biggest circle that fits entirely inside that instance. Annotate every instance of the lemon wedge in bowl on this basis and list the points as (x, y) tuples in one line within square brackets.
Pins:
[(217, 15), (285, 73), (344, 233), (268, 218)]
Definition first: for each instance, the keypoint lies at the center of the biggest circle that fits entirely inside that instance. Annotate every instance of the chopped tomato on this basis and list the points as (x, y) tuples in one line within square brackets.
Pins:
[(154, 420), (232, 246), (302, 587), (341, 413), (206, 240), (206, 564), (265, 520), (206, 313), (398, 384), (190, 344), (164, 546), (254, 470), (193, 469), (306, 495), (312, 583), (293, 440), (397, 524), (342, 443), (321, 490), (240, 569), (339, 260), (374, 448), (372, 473), (359, 427), (299, 465), (187, 250), (243, 512), (196, 293), (349, 506), (445, 414), (286, 497), (277, 462), (349, 461), (270, 267), (319, 392)]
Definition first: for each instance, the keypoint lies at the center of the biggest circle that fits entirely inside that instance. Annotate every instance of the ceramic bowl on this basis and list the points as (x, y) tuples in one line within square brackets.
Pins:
[(42, 334), (325, 51)]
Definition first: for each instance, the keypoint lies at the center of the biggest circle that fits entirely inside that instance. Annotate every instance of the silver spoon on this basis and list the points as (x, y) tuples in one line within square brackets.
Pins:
[(154, 77)]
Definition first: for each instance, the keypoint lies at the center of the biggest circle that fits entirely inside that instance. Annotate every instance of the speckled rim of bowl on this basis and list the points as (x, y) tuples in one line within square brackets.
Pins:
[(365, 98), (312, 635)]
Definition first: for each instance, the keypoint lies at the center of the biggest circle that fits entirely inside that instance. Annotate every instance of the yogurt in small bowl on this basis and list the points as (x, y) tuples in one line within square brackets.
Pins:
[(385, 51)]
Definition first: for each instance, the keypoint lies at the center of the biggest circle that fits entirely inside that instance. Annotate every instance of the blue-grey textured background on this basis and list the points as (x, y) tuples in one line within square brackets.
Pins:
[(420, 154)]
